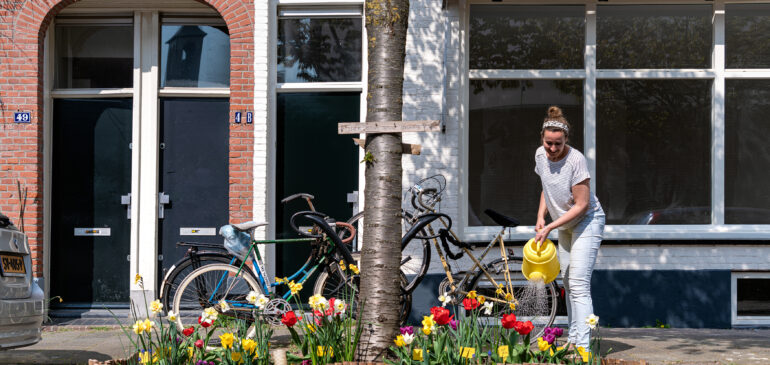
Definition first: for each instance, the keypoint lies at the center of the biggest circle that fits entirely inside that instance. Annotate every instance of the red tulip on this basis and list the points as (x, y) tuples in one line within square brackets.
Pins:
[(508, 321), (441, 315), (524, 328), (199, 344), (469, 303), (188, 331), (203, 324), (289, 318)]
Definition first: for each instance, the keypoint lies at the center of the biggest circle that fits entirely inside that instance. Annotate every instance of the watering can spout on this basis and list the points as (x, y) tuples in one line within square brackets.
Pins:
[(540, 261)]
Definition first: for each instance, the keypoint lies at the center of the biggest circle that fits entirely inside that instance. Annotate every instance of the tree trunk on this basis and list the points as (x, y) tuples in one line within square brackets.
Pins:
[(386, 24)]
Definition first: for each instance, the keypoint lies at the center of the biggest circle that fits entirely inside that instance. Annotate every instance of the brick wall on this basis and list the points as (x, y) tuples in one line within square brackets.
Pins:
[(23, 25)]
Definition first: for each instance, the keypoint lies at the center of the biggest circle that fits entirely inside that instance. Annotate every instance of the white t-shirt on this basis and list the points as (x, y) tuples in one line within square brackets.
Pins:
[(558, 178)]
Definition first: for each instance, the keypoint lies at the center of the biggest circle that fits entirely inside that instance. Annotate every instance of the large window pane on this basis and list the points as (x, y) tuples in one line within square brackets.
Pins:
[(94, 56), (527, 37), (505, 122), (653, 151), (753, 297), (653, 36), (747, 153), (195, 56), (747, 35), (319, 50)]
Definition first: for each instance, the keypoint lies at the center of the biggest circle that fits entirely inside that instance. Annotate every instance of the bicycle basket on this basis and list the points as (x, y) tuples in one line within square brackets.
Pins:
[(237, 243)]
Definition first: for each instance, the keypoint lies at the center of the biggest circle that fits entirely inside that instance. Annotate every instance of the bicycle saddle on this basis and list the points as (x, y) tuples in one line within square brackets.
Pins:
[(245, 226), (502, 220)]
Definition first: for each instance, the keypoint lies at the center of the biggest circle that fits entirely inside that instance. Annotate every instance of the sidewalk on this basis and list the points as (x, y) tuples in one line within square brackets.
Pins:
[(77, 342)]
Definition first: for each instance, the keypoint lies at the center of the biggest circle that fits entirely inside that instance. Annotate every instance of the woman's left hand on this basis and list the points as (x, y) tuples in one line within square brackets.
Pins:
[(542, 235)]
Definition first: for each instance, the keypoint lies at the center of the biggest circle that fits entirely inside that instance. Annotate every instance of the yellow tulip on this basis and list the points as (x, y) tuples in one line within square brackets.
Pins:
[(400, 341), (417, 354), (426, 330), (467, 352), (543, 344), (237, 357), (583, 353), (503, 352), (248, 345), (321, 351)]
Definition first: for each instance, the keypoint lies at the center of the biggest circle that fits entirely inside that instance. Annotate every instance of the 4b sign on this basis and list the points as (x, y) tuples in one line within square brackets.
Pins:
[(21, 117)]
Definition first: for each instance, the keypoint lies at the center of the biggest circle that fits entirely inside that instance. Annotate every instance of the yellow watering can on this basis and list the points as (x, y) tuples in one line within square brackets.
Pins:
[(540, 261)]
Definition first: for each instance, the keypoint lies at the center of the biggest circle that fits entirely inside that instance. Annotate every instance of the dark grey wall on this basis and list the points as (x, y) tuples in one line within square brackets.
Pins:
[(633, 298)]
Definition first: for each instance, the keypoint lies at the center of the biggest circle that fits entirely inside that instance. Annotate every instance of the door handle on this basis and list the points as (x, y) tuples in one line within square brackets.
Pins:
[(126, 200), (163, 199)]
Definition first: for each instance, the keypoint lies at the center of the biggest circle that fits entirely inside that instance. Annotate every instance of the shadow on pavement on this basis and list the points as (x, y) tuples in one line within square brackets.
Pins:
[(23, 356)]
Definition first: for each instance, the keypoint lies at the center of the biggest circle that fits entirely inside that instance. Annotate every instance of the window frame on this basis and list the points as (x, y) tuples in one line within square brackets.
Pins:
[(717, 229), (748, 321)]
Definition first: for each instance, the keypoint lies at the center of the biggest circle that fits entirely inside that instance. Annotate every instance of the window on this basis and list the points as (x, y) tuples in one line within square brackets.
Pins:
[(750, 298), (669, 101), (194, 56), (95, 55)]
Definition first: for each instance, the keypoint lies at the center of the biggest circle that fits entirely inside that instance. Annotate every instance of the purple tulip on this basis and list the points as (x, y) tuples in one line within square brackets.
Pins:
[(549, 338), (453, 323), (547, 331), (557, 331), (306, 362), (407, 329)]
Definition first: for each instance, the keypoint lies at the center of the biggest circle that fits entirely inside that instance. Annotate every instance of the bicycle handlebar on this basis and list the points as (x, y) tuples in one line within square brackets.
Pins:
[(319, 220), (308, 198), (351, 230)]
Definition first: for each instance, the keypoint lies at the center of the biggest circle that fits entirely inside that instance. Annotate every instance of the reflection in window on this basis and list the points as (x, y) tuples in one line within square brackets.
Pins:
[(653, 36), (654, 151), (753, 297), (195, 56), (505, 122), (527, 37), (94, 56), (747, 153), (319, 50), (747, 35)]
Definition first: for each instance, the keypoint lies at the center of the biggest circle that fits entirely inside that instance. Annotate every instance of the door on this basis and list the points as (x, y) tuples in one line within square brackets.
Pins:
[(194, 154), (91, 171), (313, 158)]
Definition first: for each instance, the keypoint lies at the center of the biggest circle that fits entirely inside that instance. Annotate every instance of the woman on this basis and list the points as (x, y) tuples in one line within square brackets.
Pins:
[(576, 212)]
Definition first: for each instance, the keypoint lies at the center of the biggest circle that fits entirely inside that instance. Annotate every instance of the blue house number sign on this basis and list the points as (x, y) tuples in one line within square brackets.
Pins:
[(237, 117), (21, 117)]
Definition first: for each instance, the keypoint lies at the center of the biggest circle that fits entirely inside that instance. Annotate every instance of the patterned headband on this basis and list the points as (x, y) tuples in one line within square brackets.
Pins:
[(557, 124)]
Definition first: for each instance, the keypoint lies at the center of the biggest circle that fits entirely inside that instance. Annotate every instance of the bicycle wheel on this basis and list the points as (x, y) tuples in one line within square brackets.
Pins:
[(185, 267), (333, 283), (208, 285), (415, 256), (536, 303)]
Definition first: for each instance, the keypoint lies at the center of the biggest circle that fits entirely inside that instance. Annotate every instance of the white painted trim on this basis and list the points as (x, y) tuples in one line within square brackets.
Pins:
[(270, 251), (718, 116), (320, 12), (479, 74), (93, 93), (47, 120), (213, 20), (656, 74), (108, 11), (136, 137), (101, 21), (589, 94), (316, 2), (318, 86), (463, 115), (637, 232), (745, 320), (759, 73), (148, 146), (199, 92)]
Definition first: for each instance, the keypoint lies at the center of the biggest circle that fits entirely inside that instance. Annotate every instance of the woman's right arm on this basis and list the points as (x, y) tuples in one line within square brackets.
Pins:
[(541, 211)]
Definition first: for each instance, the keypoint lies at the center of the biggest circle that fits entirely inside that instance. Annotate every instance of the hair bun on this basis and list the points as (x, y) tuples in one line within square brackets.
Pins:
[(554, 112)]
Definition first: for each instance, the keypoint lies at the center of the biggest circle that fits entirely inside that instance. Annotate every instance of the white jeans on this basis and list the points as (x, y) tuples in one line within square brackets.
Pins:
[(578, 247)]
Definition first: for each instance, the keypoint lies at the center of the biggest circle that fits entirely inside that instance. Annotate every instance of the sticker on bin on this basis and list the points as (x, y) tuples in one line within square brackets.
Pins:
[(96, 231), (12, 265), (197, 231)]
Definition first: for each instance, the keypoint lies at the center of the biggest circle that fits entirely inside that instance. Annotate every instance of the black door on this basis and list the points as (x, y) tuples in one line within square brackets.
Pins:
[(313, 158), (90, 229), (194, 135)]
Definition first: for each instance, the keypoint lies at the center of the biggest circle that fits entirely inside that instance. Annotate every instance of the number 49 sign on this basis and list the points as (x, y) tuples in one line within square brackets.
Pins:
[(21, 117)]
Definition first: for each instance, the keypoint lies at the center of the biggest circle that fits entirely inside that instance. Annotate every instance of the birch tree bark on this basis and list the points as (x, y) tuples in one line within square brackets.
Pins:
[(386, 25)]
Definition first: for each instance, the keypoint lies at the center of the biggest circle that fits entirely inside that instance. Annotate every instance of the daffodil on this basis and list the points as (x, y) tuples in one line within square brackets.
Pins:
[(481, 299), (339, 306), (503, 352), (471, 294), (249, 345), (342, 265), (499, 290), (252, 297), (512, 305), (445, 299), (147, 357), (417, 354), (156, 306), (137, 279), (138, 327), (508, 297), (318, 302), (321, 351), (592, 321), (148, 325), (354, 269), (295, 287), (262, 302), (310, 328), (400, 341), (171, 316), (227, 340), (224, 306), (209, 314)]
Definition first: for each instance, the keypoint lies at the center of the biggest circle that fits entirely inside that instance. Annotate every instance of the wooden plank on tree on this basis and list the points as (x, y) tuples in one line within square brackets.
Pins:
[(406, 148), (389, 127)]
